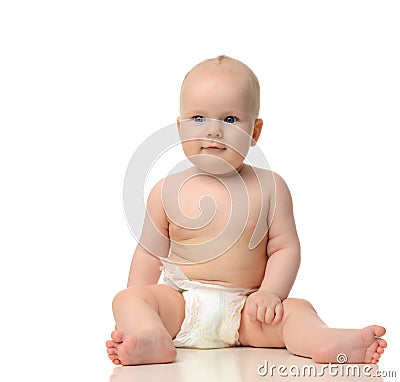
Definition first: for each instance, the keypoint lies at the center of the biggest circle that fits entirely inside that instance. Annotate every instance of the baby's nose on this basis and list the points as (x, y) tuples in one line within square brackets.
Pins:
[(214, 129)]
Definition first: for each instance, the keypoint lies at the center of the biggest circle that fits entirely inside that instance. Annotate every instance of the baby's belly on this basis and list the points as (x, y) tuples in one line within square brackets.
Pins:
[(237, 268)]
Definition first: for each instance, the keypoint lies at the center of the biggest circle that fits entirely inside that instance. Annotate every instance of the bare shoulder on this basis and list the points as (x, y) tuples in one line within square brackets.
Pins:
[(280, 184), (264, 175), (167, 182), (269, 180), (155, 204), (155, 193), (165, 191), (282, 194)]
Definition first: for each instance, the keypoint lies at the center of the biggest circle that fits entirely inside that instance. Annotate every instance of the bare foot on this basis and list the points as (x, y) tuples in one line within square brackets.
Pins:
[(112, 351), (139, 349), (354, 345)]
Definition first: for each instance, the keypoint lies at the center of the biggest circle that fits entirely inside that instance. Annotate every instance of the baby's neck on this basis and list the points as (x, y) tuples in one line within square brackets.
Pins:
[(227, 174)]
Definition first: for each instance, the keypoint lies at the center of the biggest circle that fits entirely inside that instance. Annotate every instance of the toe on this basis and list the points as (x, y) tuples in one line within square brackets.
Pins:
[(117, 336), (382, 343), (110, 344), (379, 330), (112, 357), (376, 356)]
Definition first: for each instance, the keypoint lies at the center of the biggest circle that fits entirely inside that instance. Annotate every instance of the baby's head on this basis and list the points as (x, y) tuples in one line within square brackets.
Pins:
[(228, 72), (219, 106)]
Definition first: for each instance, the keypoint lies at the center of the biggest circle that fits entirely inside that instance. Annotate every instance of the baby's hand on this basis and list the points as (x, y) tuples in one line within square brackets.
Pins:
[(264, 306)]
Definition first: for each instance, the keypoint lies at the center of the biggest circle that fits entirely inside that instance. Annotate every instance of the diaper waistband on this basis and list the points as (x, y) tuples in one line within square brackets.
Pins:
[(174, 277)]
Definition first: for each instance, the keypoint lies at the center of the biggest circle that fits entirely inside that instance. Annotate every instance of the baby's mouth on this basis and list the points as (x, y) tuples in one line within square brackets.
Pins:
[(213, 147)]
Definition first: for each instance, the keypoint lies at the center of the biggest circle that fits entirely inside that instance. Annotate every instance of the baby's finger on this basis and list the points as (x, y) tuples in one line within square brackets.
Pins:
[(269, 314), (251, 310), (278, 313), (261, 311)]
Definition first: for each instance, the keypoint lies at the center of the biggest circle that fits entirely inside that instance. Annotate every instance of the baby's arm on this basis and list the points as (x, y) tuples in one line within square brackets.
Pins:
[(145, 268), (283, 251)]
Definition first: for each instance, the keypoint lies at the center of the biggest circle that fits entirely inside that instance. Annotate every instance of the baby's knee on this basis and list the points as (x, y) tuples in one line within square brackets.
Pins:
[(130, 294), (296, 304)]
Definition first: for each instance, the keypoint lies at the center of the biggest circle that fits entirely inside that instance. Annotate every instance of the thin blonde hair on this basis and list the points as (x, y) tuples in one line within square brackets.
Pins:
[(222, 62)]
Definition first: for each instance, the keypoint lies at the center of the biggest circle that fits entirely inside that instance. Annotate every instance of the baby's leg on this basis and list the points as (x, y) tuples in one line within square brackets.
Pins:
[(147, 318), (303, 333)]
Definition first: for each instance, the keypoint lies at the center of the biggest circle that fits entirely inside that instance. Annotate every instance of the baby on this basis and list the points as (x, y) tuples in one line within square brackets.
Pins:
[(224, 235)]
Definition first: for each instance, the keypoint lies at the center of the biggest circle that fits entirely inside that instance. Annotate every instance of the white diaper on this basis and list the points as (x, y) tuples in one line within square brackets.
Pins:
[(212, 312)]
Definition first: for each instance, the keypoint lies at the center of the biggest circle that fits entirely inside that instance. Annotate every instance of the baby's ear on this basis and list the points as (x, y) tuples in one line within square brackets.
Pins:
[(258, 124)]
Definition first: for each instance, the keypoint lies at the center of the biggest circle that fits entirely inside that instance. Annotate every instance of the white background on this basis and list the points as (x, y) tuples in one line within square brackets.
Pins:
[(83, 83)]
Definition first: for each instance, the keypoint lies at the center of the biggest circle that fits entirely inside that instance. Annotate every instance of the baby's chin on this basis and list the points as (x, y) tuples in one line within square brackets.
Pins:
[(214, 165)]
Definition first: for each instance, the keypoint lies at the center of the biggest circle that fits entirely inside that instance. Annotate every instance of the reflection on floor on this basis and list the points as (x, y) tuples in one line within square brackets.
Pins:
[(243, 365)]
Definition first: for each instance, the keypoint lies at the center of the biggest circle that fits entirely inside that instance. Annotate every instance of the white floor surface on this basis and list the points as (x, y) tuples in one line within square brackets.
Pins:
[(244, 365)]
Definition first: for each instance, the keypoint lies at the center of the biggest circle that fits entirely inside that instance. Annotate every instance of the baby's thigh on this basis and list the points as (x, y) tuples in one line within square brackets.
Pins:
[(257, 334), (170, 306)]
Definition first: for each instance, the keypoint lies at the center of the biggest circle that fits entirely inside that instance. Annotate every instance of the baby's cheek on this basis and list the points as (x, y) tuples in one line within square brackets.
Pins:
[(190, 147), (238, 141)]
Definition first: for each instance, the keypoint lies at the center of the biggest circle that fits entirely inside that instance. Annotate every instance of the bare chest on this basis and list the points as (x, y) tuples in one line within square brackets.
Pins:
[(208, 207)]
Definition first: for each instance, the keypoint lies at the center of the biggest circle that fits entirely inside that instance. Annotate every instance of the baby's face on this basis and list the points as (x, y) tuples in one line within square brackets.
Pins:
[(218, 121)]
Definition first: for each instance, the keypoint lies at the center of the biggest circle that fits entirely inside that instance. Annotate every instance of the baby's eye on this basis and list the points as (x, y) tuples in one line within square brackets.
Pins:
[(230, 119), (199, 118)]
